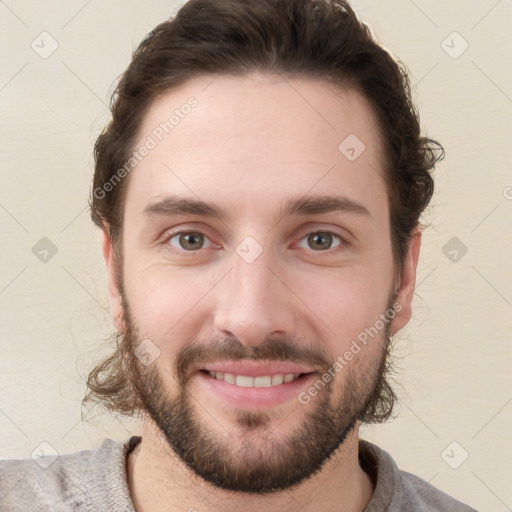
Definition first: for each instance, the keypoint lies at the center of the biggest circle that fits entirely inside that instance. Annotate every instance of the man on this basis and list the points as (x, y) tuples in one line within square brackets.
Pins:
[(259, 190)]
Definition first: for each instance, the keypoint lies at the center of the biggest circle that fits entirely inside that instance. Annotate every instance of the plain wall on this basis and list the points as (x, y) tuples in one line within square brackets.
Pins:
[(454, 357)]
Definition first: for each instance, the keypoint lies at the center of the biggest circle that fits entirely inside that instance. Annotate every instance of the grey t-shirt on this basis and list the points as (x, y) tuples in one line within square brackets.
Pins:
[(95, 481)]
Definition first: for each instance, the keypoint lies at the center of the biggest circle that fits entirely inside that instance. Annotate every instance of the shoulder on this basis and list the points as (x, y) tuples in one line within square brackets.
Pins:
[(418, 494), (55, 482), (400, 491)]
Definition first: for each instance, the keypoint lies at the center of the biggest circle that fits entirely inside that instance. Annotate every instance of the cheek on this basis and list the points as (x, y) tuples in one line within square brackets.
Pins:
[(347, 301), (166, 304)]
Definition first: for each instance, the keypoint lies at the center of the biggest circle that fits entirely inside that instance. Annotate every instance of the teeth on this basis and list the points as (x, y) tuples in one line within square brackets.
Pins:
[(263, 381), (228, 377), (243, 381), (278, 379)]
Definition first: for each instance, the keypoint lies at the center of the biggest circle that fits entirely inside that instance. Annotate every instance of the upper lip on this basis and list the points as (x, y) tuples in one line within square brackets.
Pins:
[(256, 368)]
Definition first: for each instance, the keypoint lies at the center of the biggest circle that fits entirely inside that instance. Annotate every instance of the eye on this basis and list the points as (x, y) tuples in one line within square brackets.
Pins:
[(321, 240), (188, 241)]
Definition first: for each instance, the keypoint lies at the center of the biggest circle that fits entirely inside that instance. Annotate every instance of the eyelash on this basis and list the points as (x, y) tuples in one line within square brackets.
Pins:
[(342, 245)]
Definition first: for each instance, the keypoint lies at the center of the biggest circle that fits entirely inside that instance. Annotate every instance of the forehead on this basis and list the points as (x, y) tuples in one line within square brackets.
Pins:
[(235, 138)]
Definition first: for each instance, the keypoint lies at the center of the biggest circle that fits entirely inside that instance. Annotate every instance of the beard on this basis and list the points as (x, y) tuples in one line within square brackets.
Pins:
[(259, 458)]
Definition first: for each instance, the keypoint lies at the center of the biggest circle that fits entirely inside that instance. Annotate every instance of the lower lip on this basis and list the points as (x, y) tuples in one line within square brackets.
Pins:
[(252, 397)]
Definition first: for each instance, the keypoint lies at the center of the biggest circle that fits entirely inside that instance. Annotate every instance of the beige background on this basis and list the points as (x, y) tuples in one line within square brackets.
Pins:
[(454, 356)]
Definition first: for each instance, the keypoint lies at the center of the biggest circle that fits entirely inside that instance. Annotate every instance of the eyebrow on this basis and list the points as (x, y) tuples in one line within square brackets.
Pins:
[(307, 205)]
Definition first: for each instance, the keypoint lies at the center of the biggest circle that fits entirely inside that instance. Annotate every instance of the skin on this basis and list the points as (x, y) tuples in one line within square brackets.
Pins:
[(252, 143)]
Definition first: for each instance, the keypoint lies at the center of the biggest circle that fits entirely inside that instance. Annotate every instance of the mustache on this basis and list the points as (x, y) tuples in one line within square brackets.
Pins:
[(228, 349)]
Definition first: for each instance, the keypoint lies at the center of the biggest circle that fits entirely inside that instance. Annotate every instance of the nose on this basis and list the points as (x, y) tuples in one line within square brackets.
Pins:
[(254, 302)]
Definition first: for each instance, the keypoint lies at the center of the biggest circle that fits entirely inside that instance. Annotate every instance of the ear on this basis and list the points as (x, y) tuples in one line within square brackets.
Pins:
[(114, 292), (406, 284)]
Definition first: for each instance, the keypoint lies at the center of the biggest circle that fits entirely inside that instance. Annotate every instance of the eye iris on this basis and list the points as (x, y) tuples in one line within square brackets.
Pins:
[(320, 240), (188, 239)]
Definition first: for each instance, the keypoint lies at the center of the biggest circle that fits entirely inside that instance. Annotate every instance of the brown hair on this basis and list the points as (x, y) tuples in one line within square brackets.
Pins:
[(313, 38)]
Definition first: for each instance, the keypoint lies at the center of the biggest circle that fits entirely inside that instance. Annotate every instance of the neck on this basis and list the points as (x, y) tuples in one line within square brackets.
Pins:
[(159, 481)]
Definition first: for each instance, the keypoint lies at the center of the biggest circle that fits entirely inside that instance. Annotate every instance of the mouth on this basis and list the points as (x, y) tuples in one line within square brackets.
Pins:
[(252, 385), (259, 381)]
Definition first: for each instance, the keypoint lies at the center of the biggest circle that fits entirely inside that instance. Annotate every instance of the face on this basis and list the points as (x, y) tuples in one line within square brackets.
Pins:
[(258, 275)]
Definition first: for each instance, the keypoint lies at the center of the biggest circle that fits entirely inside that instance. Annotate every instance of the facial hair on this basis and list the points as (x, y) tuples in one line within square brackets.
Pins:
[(258, 460)]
